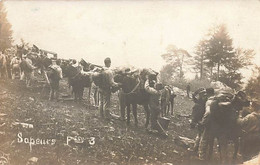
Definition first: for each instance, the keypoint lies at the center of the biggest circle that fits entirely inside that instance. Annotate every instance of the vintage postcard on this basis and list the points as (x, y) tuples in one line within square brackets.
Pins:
[(129, 82)]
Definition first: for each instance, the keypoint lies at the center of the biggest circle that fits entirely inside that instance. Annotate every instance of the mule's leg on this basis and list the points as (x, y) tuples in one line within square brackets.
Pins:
[(211, 145), (89, 94), (203, 145), (96, 96), (223, 149), (75, 91), (122, 105), (101, 105), (168, 108), (162, 107), (172, 103), (80, 93), (128, 114), (13, 74), (135, 114), (146, 108), (236, 146)]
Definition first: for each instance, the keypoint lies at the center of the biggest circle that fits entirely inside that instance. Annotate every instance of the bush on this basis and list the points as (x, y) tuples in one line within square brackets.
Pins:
[(194, 84)]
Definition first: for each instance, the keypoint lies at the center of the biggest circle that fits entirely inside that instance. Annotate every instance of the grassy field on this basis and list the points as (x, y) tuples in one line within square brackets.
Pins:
[(55, 124)]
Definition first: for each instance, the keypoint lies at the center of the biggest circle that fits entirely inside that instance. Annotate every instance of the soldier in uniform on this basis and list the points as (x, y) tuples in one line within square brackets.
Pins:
[(198, 111), (154, 104), (250, 140), (15, 66), (105, 89), (55, 76), (27, 68)]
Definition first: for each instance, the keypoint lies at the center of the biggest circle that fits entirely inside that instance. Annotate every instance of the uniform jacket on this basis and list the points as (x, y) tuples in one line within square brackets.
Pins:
[(250, 123), (155, 96)]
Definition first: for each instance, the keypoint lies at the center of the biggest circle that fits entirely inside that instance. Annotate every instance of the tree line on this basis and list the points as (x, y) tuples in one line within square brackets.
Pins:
[(215, 59)]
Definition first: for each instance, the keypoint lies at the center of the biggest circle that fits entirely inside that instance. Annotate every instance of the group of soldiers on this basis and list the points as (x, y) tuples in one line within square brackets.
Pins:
[(202, 98)]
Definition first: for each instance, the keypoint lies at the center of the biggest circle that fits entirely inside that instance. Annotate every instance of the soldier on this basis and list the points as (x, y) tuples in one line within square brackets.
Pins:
[(15, 66), (54, 78), (3, 65), (250, 140), (27, 67), (105, 89), (154, 105), (198, 111)]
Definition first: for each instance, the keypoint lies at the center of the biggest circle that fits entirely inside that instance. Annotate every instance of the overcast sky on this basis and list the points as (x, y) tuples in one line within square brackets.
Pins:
[(131, 33)]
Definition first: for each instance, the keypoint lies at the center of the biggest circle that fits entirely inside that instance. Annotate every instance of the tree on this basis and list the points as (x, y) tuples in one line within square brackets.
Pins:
[(200, 58), (166, 74), (177, 58), (231, 75), (5, 29), (253, 85), (220, 49)]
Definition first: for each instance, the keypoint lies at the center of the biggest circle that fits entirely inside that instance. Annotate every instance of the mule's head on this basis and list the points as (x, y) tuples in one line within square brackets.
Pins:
[(127, 80), (240, 100)]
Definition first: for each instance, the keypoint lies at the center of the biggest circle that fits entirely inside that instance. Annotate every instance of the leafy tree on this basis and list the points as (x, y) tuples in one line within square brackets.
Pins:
[(166, 74), (218, 55), (177, 58), (220, 50), (5, 29), (200, 59), (253, 85), (231, 75)]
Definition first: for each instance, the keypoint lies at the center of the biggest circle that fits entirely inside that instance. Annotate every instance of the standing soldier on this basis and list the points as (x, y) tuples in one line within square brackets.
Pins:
[(198, 111), (54, 79), (154, 105), (27, 67), (15, 66), (105, 89), (3, 65), (250, 126)]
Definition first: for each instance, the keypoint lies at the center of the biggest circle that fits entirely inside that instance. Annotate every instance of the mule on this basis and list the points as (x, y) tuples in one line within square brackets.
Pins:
[(133, 94)]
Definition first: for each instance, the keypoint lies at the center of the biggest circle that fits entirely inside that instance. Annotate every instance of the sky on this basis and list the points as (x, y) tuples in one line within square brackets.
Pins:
[(132, 33)]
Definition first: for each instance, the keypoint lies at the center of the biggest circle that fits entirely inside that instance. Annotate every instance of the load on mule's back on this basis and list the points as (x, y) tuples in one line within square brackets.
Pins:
[(219, 122)]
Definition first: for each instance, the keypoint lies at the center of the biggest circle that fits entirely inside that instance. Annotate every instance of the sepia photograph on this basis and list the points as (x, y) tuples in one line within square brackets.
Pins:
[(121, 82)]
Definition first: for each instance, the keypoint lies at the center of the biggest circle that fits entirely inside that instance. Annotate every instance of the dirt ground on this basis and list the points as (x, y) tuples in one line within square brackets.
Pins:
[(104, 142)]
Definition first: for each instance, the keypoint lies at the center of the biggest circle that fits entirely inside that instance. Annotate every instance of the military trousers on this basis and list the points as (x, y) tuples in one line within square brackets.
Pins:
[(105, 102)]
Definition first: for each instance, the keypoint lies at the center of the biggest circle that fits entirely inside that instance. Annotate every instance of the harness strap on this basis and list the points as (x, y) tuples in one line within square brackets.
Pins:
[(75, 75), (134, 89)]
